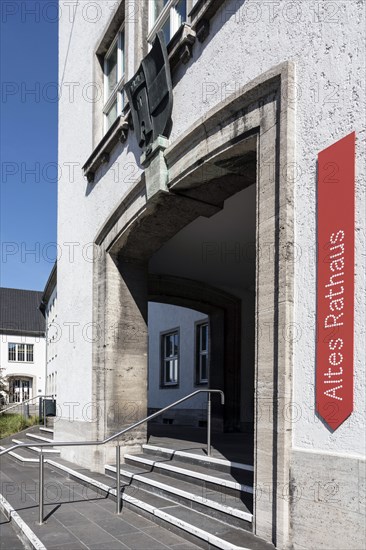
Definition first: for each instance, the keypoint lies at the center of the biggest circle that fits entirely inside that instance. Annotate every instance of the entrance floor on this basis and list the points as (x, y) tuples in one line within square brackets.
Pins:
[(235, 447)]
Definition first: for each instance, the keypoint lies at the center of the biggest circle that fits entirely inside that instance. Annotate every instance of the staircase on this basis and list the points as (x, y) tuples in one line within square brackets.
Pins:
[(208, 501)]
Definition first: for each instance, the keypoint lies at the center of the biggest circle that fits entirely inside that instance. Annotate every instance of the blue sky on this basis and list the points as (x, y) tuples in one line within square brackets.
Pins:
[(28, 196)]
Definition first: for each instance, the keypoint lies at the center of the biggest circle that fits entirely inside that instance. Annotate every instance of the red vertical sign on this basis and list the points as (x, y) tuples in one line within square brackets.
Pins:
[(335, 290)]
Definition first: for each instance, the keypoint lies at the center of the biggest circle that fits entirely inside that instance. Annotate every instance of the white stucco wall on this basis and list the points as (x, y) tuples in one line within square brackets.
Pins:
[(246, 39), (36, 370), (53, 335)]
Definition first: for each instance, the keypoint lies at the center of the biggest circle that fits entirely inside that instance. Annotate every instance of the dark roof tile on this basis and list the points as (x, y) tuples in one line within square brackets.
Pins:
[(19, 311)]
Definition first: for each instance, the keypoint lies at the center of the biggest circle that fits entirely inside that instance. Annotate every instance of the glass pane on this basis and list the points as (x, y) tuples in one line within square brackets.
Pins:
[(29, 352), (158, 6), (112, 115), (12, 352), (176, 344), (21, 352), (111, 71), (203, 368), (169, 348), (204, 337), (175, 374), (181, 9), (122, 54), (166, 30)]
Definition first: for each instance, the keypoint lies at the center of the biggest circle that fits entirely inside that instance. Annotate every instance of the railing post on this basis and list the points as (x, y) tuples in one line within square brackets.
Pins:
[(209, 424), (41, 487), (118, 477)]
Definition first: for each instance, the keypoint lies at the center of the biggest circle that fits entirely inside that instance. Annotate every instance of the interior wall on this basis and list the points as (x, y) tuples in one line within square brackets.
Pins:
[(220, 251)]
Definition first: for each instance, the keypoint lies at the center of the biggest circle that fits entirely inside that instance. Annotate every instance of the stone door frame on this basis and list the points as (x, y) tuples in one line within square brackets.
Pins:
[(264, 110)]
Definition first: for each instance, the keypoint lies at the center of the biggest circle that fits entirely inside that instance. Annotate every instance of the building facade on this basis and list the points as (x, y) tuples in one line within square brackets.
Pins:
[(23, 347), (215, 210), (53, 332)]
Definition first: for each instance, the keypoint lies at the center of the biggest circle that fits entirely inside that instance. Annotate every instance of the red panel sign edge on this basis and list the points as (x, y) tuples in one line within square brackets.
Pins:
[(335, 281)]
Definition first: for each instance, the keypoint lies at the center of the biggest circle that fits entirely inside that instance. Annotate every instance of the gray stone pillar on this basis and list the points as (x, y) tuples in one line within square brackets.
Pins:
[(121, 390)]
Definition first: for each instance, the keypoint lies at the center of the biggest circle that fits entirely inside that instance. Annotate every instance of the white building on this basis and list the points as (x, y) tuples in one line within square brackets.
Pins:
[(53, 331), (217, 212), (23, 346)]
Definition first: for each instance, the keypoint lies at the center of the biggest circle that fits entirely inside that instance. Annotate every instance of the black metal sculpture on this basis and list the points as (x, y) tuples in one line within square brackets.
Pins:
[(150, 95)]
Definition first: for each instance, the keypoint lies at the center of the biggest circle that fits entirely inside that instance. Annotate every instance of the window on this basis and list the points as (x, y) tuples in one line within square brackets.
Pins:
[(22, 353), (169, 358), (202, 353), (166, 15), (114, 79)]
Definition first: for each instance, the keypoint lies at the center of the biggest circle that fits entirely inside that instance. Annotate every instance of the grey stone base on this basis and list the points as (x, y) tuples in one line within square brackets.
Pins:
[(327, 501), (93, 457)]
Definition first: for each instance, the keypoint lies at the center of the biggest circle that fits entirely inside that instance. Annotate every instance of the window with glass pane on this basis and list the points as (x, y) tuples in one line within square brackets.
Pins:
[(12, 352), (111, 70), (114, 73), (30, 353), (22, 353), (166, 15), (202, 353), (21, 356), (170, 359)]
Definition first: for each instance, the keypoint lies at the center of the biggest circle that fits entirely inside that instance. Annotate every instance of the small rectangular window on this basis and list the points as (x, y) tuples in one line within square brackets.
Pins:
[(114, 80), (202, 353), (170, 358)]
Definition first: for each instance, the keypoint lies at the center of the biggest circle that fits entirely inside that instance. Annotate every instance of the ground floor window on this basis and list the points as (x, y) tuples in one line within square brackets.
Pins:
[(202, 353), (21, 353), (20, 389), (170, 358)]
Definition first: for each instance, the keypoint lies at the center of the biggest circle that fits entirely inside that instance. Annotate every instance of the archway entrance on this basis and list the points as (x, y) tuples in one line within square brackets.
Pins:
[(244, 141)]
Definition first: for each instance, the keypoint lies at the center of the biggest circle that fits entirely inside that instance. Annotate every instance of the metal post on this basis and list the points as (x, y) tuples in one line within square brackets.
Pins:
[(41, 487), (118, 477), (209, 425)]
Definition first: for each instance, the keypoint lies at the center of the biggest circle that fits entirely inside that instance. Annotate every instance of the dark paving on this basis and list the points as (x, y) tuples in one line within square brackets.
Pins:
[(78, 517), (8, 537)]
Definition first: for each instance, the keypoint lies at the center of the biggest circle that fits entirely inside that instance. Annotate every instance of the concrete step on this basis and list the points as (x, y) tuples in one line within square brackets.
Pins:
[(196, 527), (39, 437), (48, 430), (46, 450), (200, 475), (230, 509), (21, 455), (196, 456)]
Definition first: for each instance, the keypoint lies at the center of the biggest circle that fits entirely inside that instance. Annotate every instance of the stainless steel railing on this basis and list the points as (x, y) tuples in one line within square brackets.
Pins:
[(25, 402), (118, 448)]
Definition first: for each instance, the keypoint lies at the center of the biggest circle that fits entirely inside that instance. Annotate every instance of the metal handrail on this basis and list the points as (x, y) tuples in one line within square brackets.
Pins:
[(25, 402), (110, 438)]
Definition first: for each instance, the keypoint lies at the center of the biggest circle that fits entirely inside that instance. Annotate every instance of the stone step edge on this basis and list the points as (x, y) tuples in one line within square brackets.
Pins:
[(185, 526), (19, 457), (37, 449), (211, 459), (49, 430), (191, 473), (27, 536), (246, 516), (40, 437)]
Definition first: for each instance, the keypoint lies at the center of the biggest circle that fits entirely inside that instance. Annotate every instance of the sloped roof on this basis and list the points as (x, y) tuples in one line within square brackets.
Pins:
[(20, 313)]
